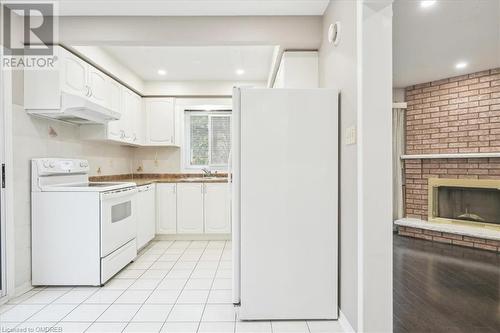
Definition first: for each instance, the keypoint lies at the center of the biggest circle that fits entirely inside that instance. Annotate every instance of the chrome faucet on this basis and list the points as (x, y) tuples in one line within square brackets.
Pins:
[(207, 172)]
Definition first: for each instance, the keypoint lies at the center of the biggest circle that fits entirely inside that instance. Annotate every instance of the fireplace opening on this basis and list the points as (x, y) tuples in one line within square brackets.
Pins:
[(481, 205)]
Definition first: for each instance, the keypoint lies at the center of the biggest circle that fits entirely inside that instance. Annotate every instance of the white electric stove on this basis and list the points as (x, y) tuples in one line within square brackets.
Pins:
[(83, 232)]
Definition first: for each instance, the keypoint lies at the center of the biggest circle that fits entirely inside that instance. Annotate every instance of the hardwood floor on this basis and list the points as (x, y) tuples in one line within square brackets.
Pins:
[(445, 288)]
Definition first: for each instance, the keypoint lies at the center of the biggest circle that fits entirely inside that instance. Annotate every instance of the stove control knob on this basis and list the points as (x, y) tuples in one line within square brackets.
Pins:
[(52, 165), (46, 164), (84, 164)]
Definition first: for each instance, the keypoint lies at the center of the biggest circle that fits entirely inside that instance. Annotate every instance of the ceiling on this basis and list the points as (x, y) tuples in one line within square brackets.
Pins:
[(428, 42), (190, 7), (203, 63)]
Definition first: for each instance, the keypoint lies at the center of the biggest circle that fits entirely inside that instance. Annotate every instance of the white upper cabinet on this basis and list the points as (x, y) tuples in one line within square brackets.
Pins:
[(143, 121), (138, 126), (216, 207), (132, 116), (74, 73), (114, 127), (80, 78), (298, 69), (127, 114), (98, 86), (189, 208), (160, 121), (71, 75), (128, 129)]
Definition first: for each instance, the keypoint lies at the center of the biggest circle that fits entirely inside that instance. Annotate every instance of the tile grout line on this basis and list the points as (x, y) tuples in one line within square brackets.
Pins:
[(187, 280), (45, 305), (100, 288), (153, 290), (213, 281), (142, 304), (184, 250), (307, 325)]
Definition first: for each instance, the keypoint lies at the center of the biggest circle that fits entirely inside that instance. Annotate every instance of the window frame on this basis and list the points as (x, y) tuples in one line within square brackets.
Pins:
[(187, 137)]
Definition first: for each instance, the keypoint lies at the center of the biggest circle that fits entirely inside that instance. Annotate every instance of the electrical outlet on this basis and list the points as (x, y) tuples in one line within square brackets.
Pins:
[(350, 135)]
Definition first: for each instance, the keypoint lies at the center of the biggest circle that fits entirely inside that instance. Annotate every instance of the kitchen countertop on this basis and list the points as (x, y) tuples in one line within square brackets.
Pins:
[(145, 179)]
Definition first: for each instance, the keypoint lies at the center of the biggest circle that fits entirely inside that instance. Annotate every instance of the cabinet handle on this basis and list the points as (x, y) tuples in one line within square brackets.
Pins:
[(172, 139), (90, 92)]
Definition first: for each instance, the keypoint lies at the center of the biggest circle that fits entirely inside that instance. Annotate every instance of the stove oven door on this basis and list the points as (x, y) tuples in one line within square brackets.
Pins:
[(118, 219)]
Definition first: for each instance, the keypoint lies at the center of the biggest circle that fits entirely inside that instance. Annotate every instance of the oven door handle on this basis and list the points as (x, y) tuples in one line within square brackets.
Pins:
[(119, 194)]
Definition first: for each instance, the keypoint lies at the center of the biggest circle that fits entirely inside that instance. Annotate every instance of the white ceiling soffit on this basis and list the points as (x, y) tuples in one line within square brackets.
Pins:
[(429, 42), (190, 7), (202, 63)]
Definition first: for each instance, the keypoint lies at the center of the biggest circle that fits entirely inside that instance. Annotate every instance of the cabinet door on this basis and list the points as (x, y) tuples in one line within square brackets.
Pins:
[(189, 208), (146, 217), (115, 127), (160, 114), (127, 114), (137, 125), (166, 203), (73, 74), (97, 81), (216, 208), (150, 204)]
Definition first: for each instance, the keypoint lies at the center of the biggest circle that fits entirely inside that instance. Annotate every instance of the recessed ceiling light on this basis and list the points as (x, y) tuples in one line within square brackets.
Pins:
[(240, 71), (460, 65), (427, 3), (162, 72)]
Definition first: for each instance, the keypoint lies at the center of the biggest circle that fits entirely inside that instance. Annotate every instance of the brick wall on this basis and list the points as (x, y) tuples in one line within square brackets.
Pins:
[(455, 115), (447, 238), (418, 171)]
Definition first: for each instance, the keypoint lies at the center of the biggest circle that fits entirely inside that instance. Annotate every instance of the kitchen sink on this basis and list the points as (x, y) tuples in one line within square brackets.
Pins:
[(201, 179)]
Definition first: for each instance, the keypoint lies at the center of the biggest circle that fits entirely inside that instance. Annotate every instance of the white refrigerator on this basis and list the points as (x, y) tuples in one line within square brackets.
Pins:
[(285, 203)]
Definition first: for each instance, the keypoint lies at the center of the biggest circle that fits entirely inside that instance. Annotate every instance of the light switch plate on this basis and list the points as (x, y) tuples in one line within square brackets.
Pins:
[(350, 135)]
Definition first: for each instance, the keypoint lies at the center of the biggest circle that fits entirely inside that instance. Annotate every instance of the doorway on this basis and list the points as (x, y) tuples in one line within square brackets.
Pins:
[(5, 98)]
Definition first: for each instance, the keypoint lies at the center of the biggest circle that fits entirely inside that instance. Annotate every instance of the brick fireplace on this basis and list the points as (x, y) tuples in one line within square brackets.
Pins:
[(452, 131)]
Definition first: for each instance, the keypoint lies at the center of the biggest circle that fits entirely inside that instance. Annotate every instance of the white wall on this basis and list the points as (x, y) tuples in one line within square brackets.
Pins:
[(361, 67), (337, 67), (193, 88), (375, 166), (291, 32), (398, 95)]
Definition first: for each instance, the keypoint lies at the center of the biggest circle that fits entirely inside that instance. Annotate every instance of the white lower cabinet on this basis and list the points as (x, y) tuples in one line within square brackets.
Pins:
[(146, 214), (192, 208), (216, 208), (189, 208), (166, 204)]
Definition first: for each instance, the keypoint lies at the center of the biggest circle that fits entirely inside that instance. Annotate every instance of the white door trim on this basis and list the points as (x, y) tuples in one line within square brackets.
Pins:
[(8, 254)]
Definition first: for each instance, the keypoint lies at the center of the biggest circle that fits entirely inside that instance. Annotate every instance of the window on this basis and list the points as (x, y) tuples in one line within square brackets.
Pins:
[(208, 139)]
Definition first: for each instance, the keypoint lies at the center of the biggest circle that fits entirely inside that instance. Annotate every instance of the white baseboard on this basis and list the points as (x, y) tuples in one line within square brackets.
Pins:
[(22, 289), (346, 325), (201, 237)]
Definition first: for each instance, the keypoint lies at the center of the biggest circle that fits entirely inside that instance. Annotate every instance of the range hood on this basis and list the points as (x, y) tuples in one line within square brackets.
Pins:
[(77, 110)]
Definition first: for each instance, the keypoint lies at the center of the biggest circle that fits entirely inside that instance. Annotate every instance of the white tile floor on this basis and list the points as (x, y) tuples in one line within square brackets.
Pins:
[(181, 286)]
